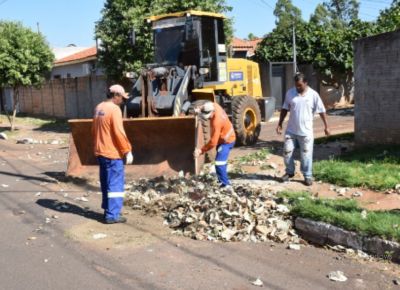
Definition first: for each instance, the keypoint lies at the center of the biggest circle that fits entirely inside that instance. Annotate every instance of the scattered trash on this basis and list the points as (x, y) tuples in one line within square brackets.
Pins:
[(55, 217), (27, 141), (5, 185), (364, 214), (362, 254), (32, 238), (396, 282), (99, 236), (82, 199), (273, 165), (198, 208), (337, 276), (294, 247), (357, 194), (341, 191), (337, 248), (46, 260), (3, 136), (38, 193), (47, 221), (258, 282)]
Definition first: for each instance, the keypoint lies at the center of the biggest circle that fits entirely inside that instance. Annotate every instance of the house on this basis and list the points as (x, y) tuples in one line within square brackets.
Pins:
[(242, 48), (78, 64)]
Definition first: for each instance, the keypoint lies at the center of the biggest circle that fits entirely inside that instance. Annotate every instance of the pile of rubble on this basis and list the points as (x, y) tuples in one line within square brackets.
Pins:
[(197, 208)]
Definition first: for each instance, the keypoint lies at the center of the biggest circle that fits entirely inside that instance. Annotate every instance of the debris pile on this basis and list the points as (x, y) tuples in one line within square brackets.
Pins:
[(197, 208)]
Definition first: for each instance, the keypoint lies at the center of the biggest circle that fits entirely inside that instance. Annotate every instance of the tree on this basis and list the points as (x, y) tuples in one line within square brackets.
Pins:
[(118, 19), (277, 46), (25, 59), (328, 48), (342, 12), (286, 15), (389, 19), (320, 16), (251, 36)]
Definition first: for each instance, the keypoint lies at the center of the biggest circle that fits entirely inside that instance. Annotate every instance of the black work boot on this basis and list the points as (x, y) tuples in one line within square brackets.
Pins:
[(286, 177), (121, 219), (308, 181)]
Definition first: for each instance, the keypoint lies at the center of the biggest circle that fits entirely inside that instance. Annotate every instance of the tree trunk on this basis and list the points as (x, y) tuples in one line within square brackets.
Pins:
[(15, 106)]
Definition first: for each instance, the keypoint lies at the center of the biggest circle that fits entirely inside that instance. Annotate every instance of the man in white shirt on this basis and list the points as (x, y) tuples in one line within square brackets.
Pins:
[(302, 102)]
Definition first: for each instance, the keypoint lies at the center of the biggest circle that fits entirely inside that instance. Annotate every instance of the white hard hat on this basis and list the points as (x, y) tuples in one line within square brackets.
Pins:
[(207, 109)]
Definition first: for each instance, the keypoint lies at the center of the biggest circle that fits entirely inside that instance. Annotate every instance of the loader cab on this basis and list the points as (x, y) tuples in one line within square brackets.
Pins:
[(191, 38)]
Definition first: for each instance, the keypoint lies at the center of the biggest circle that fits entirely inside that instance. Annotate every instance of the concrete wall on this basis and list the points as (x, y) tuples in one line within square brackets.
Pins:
[(377, 89), (65, 98)]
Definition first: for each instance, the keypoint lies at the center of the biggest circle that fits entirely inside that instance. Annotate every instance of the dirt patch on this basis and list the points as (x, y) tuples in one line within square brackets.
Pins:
[(133, 234)]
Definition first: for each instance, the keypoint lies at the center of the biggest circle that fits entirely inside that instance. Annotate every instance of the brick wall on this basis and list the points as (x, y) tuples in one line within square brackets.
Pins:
[(377, 89), (65, 98)]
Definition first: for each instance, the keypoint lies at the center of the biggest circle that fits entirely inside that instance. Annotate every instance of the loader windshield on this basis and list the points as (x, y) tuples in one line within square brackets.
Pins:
[(168, 44)]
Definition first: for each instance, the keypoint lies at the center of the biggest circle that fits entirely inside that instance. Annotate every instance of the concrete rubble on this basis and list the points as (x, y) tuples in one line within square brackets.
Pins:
[(196, 207), (337, 276)]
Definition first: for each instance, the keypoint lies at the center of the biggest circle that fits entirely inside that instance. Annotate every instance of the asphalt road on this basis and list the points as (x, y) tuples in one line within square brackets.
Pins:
[(36, 254)]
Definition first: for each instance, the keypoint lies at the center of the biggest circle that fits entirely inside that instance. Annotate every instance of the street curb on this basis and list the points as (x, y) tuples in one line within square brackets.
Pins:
[(322, 233)]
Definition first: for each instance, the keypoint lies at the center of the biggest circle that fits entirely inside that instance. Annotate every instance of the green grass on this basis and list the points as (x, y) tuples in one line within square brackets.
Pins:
[(345, 213), (258, 155), (375, 168), (332, 138)]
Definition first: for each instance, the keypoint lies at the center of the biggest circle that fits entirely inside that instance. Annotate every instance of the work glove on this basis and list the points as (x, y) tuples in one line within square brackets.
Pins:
[(197, 110), (196, 153), (128, 158)]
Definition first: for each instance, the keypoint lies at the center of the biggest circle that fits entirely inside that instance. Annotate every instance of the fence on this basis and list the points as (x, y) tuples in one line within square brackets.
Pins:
[(65, 98)]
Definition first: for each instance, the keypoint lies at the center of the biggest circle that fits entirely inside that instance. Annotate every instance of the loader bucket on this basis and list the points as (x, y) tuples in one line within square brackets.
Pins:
[(161, 146)]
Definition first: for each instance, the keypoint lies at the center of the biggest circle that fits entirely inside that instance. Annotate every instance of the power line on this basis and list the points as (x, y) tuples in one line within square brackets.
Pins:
[(267, 4)]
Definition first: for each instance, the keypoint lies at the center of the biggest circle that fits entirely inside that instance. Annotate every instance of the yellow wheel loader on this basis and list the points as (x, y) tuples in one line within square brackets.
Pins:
[(190, 67)]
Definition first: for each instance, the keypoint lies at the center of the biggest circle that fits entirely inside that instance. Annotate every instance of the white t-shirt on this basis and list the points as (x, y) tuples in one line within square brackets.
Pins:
[(302, 109)]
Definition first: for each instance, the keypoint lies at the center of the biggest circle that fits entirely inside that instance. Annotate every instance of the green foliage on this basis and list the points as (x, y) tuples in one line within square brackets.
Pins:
[(120, 16), (389, 19), (376, 168), (321, 42), (346, 214), (342, 12), (261, 155), (251, 36), (25, 57), (286, 15), (320, 16)]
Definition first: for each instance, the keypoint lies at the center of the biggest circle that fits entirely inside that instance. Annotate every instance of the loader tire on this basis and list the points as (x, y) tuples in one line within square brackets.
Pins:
[(246, 119), (209, 155)]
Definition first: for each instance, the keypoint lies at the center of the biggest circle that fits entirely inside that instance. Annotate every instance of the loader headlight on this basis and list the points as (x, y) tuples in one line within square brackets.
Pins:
[(204, 70)]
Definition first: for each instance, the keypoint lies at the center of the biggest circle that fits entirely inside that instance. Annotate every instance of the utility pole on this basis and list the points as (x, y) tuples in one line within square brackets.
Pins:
[(294, 52), (38, 28)]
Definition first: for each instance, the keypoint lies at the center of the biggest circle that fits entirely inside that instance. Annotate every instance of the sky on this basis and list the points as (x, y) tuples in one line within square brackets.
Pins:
[(65, 22)]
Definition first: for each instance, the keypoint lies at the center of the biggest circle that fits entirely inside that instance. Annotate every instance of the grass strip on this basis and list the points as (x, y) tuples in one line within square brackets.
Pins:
[(345, 213), (375, 168)]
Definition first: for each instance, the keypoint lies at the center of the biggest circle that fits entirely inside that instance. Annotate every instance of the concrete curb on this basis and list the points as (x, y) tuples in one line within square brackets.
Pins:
[(322, 233)]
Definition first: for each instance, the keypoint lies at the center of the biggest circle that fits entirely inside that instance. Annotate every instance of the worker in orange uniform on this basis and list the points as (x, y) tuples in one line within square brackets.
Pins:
[(223, 137), (110, 147)]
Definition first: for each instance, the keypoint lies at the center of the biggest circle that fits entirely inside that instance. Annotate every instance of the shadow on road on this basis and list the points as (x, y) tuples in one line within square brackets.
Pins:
[(28, 177), (61, 177), (67, 207)]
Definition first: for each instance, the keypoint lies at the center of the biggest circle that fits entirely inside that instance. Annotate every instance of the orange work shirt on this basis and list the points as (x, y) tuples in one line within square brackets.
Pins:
[(221, 128), (110, 140)]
